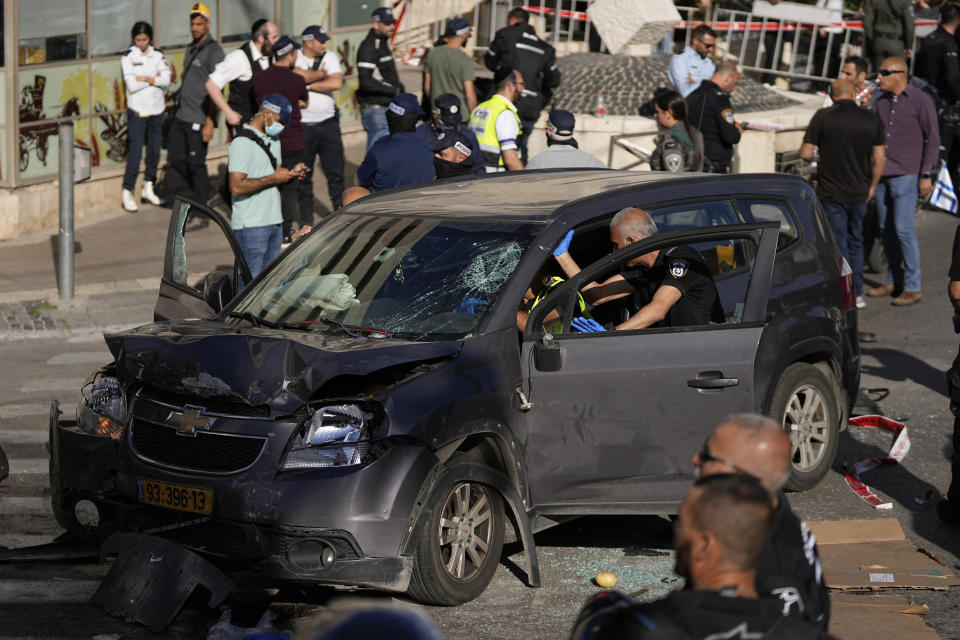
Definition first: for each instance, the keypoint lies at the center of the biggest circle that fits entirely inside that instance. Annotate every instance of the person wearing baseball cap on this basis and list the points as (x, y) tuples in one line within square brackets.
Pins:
[(448, 70), (321, 70), (403, 157), (562, 151), (377, 74), (255, 174), (193, 122), (281, 79), (446, 116), (452, 155)]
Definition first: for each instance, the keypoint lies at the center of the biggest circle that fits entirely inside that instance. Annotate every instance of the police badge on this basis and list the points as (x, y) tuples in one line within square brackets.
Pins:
[(678, 268), (673, 162)]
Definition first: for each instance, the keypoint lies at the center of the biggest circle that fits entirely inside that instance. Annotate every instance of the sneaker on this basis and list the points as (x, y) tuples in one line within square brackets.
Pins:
[(883, 290), (861, 303), (907, 298), (147, 194), (947, 513), (129, 202)]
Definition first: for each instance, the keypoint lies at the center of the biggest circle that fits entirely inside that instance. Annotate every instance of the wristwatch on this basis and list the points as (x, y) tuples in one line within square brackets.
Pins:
[(926, 175)]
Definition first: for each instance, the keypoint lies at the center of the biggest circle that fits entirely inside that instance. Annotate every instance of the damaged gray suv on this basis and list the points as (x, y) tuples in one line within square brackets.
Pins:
[(367, 412)]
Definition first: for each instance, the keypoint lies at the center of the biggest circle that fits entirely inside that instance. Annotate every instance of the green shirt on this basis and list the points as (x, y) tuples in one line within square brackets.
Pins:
[(449, 68), (263, 207)]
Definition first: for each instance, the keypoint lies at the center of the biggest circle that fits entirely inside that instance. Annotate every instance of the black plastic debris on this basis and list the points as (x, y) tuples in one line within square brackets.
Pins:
[(4, 465), (152, 578), (64, 549)]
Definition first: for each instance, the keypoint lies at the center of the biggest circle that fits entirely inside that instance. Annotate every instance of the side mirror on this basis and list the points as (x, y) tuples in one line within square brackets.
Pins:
[(217, 290), (547, 354)]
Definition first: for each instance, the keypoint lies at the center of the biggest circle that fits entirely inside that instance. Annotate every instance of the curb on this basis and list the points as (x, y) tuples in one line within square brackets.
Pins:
[(82, 292)]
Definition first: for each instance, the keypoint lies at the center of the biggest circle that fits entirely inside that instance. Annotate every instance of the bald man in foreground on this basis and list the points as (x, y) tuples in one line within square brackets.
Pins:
[(789, 568), (670, 287)]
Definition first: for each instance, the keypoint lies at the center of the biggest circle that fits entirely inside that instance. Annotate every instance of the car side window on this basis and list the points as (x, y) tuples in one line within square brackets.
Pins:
[(199, 248), (758, 210), (711, 276), (693, 215)]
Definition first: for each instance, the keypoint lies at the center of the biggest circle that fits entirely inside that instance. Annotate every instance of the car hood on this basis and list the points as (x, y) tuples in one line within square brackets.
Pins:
[(281, 369)]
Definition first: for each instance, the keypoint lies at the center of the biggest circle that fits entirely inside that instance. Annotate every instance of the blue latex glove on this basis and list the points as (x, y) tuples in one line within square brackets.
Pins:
[(587, 325), (564, 245), (471, 305)]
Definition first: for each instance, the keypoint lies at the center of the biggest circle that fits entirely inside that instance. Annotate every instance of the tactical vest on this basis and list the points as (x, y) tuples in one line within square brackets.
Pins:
[(483, 122), (242, 98)]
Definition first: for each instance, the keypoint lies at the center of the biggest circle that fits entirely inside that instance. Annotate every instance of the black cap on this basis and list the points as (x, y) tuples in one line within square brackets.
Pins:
[(457, 27), (560, 124), (315, 32), (449, 107), (452, 138), (384, 15), (404, 103), (283, 46)]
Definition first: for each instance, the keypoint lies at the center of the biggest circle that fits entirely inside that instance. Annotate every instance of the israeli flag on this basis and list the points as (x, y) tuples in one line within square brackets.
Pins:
[(943, 195)]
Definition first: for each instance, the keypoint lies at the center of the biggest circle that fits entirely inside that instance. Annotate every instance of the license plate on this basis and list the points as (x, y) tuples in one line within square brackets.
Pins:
[(175, 496)]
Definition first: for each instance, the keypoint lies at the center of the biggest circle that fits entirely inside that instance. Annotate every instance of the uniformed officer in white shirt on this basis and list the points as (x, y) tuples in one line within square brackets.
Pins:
[(321, 71), (145, 74), (693, 65), (238, 68)]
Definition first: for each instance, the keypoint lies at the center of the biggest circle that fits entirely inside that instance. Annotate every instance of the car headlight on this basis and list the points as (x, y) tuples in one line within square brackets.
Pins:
[(335, 436), (103, 411)]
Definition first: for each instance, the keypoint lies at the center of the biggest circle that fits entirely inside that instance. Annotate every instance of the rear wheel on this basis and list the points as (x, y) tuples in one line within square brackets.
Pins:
[(458, 553), (805, 403)]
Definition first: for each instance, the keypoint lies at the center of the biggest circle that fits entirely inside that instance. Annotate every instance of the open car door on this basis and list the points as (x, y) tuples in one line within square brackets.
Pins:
[(615, 417), (201, 266)]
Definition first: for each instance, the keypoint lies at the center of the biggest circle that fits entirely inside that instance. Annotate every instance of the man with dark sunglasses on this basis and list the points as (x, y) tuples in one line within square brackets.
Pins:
[(789, 568)]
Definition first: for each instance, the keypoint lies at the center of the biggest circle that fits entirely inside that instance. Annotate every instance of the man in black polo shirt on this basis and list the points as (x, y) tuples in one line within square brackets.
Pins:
[(670, 287), (851, 163)]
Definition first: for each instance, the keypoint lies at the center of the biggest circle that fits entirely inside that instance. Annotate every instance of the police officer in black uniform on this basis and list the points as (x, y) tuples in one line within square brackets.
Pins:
[(517, 46), (669, 287), (711, 113), (718, 536), (377, 73), (939, 65)]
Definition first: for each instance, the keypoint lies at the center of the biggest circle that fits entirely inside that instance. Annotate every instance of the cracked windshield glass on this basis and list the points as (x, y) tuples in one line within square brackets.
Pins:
[(407, 277)]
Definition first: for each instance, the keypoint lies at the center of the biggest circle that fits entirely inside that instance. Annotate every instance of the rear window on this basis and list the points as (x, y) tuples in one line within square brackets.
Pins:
[(772, 210)]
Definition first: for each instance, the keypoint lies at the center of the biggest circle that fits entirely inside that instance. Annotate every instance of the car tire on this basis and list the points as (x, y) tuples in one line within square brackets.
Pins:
[(457, 553), (805, 403)]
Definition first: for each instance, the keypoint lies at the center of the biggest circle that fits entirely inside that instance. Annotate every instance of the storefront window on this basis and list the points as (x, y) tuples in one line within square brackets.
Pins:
[(350, 13), (173, 23), (235, 24), (52, 30), (111, 21)]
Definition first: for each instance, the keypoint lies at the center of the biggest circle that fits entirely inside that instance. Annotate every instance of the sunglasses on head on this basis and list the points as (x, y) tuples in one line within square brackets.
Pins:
[(889, 72)]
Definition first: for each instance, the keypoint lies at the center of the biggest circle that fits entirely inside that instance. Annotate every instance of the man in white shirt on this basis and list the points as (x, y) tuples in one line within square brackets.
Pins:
[(562, 151), (238, 69), (321, 118), (693, 65)]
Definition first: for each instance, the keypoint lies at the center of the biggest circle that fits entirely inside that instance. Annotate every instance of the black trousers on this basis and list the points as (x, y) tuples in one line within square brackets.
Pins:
[(323, 140), (288, 194), (950, 141), (953, 388), (187, 157)]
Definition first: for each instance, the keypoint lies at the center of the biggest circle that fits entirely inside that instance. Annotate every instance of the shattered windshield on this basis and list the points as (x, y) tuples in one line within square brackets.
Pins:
[(408, 277)]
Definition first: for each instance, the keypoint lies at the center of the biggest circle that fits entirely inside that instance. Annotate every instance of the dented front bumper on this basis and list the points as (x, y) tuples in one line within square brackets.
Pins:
[(329, 526)]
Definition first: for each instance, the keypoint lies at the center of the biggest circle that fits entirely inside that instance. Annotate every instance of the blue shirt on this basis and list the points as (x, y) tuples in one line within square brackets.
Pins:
[(262, 208), (395, 161), (428, 134), (689, 63)]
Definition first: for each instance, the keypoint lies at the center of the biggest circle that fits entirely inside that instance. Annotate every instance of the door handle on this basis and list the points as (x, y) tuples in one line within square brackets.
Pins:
[(712, 380)]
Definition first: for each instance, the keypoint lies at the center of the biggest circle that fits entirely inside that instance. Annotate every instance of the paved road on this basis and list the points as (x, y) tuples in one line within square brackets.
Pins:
[(914, 347)]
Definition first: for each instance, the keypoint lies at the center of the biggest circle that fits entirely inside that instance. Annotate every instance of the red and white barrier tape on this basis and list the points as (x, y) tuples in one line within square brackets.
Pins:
[(901, 445)]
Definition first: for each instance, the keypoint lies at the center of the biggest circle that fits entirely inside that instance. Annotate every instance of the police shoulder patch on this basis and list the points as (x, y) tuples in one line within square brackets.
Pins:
[(727, 115), (679, 268)]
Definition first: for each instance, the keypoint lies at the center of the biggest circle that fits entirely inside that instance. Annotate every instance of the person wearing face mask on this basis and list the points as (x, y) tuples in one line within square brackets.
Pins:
[(255, 175), (145, 73), (679, 146), (447, 116), (562, 151), (280, 78), (401, 158), (452, 155)]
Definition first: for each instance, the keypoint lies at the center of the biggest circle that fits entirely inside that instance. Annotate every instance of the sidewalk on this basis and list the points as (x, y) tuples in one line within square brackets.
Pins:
[(117, 267)]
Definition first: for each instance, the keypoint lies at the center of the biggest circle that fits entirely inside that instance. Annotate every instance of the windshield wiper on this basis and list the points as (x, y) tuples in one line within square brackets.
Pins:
[(354, 332), (251, 318)]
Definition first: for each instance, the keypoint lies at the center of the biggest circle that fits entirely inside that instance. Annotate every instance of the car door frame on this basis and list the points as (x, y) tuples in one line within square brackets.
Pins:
[(765, 235), (172, 294)]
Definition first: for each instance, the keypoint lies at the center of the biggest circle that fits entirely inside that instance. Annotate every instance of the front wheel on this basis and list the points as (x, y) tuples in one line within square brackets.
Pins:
[(805, 403), (457, 555)]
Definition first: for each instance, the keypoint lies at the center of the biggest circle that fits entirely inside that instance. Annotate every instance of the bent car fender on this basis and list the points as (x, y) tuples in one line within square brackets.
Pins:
[(478, 472)]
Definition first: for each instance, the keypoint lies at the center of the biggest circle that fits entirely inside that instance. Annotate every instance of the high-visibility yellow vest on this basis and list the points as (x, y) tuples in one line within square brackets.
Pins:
[(556, 326), (483, 122)]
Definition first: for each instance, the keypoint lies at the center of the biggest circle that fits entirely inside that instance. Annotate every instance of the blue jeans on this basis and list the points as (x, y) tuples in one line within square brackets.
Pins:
[(896, 209), (846, 220), (137, 129), (374, 120), (259, 245)]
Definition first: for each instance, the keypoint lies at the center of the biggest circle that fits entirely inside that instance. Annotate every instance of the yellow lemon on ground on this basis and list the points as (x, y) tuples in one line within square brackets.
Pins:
[(605, 579)]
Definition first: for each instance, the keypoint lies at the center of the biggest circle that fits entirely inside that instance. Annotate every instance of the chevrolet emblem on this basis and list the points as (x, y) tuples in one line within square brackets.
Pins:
[(188, 421)]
